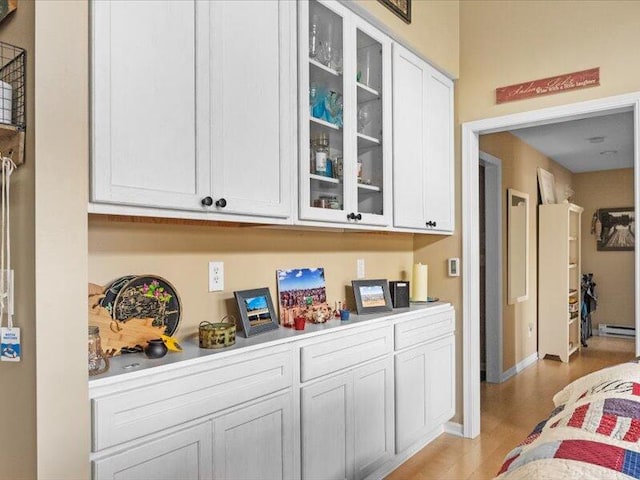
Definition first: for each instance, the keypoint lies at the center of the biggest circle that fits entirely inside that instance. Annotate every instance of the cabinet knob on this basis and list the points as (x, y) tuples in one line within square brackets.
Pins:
[(351, 216), (359, 216), (221, 203), (207, 201)]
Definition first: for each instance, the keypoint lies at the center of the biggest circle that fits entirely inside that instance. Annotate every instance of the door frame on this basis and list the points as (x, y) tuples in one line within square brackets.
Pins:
[(470, 245), (493, 266)]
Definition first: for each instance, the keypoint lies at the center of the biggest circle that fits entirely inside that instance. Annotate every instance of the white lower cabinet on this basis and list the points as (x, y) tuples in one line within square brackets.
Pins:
[(255, 442), (347, 423), (345, 404), (425, 389), (185, 454)]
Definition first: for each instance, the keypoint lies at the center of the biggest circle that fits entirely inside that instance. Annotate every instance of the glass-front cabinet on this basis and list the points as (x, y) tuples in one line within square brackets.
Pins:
[(345, 117)]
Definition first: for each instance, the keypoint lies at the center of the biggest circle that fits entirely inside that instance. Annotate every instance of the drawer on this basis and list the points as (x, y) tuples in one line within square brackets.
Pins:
[(132, 414), (423, 329), (343, 351)]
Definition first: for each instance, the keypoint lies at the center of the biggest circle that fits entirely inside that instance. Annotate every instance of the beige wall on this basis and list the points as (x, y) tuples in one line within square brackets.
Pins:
[(434, 29), (61, 116), (251, 256), (507, 42), (613, 271), (18, 455), (519, 171)]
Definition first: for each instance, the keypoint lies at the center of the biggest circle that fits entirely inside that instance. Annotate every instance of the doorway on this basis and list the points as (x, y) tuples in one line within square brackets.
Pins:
[(470, 225), (490, 219)]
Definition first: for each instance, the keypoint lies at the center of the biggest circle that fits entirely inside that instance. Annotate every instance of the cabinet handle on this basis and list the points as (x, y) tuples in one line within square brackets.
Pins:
[(431, 224), (351, 216), (221, 203), (207, 201), (359, 216)]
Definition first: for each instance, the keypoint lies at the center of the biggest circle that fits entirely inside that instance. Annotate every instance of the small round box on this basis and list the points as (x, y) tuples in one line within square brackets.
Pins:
[(216, 335)]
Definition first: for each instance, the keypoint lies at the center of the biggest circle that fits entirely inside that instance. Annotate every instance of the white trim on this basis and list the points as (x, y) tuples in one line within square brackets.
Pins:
[(453, 428), (520, 366), (493, 266), (470, 154)]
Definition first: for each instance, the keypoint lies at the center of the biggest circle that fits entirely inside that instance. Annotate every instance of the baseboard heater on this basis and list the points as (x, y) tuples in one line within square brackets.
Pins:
[(608, 330)]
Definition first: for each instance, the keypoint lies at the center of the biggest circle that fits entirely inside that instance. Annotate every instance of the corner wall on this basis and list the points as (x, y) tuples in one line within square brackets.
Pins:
[(61, 115), (613, 271)]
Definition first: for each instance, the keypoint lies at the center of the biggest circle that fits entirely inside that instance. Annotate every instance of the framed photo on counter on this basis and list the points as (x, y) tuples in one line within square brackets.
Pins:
[(256, 311), (372, 296)]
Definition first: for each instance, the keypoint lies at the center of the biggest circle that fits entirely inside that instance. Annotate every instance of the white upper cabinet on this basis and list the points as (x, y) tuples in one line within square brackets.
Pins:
[(345, 117), (423, 168), (252, 105), (144, 105), (194, 105)]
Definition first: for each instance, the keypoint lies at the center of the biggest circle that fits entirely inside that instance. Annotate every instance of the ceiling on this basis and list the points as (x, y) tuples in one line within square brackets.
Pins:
[(576, 146)]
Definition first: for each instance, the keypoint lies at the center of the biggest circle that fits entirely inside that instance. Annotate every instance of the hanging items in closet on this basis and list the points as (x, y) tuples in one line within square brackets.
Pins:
[(9, 335), (589, 305)]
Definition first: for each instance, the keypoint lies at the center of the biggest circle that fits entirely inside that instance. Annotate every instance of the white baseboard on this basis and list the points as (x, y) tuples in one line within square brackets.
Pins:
[(453, 428), (520, 366)]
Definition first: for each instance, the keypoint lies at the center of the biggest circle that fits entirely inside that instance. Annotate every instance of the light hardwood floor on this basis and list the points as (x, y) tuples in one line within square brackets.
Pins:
[(510, 410)]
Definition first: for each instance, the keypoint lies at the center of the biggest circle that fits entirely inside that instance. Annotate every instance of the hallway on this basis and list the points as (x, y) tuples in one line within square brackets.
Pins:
[(510, 410)]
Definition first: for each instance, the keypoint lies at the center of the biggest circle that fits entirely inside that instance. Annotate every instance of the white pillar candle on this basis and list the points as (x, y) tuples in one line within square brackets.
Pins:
[(419, 281)]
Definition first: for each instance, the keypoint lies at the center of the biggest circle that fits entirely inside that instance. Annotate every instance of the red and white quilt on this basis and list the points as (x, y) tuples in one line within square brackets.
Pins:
[(592, 434)]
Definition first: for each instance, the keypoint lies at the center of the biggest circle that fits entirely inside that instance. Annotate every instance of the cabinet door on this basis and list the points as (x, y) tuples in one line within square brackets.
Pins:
[(325, 40), (144, 112), (425, 390), (373, 124), (411, 396), (256, 442), (409, 138), (439, 174), (185, 454), (327, 429), (441, 381), (252, 105), (423, 165), (373, 410)]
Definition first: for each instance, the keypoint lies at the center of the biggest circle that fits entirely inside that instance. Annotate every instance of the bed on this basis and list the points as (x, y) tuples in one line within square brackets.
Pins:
[(593, 433)]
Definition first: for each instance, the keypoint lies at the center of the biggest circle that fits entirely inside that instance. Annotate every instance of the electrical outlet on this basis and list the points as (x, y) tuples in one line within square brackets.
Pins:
[(216, 276), (360, 268), (530, 329)]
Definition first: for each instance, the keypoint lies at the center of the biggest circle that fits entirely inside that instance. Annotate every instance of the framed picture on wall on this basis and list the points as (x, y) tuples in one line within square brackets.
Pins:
[(547, 185), (615, 229), (401, 8)]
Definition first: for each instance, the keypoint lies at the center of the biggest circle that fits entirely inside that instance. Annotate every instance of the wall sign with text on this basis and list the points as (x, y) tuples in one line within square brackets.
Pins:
[(549, 86)]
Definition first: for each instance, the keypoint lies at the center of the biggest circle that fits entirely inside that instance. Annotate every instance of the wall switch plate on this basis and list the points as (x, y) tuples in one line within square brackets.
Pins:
[(360, 268), (216, 276)]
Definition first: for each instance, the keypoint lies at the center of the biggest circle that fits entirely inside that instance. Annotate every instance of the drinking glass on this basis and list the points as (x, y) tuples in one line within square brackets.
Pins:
[(314, 41), (364, 117)]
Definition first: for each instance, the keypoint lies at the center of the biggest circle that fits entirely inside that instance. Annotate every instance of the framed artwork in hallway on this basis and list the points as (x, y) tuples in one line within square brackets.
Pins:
[(615, 229)]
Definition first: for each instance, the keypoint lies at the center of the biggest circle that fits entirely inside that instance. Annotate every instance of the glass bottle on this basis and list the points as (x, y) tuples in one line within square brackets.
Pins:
[(98, 363), (321, 154)]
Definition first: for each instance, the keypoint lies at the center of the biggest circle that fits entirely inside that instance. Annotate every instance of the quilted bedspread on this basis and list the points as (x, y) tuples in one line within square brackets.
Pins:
[(593, 433)]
